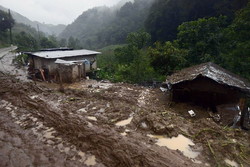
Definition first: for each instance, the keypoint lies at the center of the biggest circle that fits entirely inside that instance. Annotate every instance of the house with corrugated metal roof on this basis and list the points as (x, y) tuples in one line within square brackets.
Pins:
[(207, 85), (65, 65)]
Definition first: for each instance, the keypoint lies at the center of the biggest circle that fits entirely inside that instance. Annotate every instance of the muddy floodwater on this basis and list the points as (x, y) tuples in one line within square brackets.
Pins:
[(180, 143), (231, 163), (124, 122), (92, 118)]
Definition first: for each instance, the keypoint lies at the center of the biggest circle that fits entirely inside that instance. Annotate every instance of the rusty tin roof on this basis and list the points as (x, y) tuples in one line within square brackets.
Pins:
[(212, 71)]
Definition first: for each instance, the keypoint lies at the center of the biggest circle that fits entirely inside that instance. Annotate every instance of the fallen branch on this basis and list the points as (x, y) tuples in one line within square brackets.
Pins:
[(212, 151), (206, 130)]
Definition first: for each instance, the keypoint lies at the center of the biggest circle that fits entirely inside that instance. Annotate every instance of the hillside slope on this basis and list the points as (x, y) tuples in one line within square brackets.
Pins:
[(166, 16), (46, 28), (103, 26)]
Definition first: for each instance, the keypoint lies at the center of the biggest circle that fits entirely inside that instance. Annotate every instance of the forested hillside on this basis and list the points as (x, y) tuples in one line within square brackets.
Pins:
[(6, 22), (48, 29), (87, 25), (103, 26), (25, 37), (166, 16), (220, 36)]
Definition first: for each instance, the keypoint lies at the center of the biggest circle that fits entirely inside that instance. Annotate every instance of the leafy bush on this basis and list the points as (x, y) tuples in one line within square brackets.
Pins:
[(21, 59)]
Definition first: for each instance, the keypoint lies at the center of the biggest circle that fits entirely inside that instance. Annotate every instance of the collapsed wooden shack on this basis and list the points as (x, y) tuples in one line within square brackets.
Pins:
[(207, 85), (64, 65)]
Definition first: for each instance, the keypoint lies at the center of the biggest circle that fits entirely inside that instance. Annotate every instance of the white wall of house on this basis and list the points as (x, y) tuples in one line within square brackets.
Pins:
[(75, 72), (52, 67)]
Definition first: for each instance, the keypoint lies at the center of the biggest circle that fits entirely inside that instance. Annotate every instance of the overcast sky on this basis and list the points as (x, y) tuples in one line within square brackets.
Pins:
[(53, 11)]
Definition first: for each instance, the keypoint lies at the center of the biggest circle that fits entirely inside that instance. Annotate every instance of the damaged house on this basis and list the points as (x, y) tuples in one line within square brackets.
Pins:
[(209, 85), (65, 65)]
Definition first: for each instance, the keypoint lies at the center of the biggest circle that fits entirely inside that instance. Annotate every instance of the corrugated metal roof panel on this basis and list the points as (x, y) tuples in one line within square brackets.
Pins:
[(68, 63), (63, 53)]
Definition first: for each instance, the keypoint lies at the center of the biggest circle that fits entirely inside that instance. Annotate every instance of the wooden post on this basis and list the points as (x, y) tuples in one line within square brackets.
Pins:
[(84, 70), (79, 71), (61, 88), (42, 73), (243, 109)]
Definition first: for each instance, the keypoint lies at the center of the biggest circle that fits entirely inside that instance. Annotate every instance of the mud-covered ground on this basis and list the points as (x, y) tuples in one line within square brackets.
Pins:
[(95, 123)]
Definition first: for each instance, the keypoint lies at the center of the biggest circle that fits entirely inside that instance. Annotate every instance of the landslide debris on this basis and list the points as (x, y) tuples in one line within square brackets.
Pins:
[(31, 106), (80, 124)]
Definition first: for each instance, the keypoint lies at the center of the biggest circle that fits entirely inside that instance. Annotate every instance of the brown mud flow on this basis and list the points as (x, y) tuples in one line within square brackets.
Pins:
[(19, 147), (98, 124), (103, 142)]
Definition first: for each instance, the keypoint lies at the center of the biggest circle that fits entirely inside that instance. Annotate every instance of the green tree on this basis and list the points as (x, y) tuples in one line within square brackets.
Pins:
[(131, 62), (202, 38), (237, 48), (126, 54), (53, 40), (137, 71), (166, 15), (47, 43), (73, 43), (26, 42), (166, 58), (6, 21), (138, 39), (107, 62), (140, 69), (63, 42), (135, 65)]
